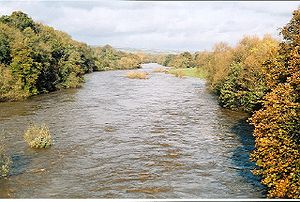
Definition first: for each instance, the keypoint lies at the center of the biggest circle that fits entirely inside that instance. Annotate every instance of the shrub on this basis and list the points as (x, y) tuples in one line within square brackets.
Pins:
[(73, 81), (5, 162), (237, 95), (38, 136), (137, 75)]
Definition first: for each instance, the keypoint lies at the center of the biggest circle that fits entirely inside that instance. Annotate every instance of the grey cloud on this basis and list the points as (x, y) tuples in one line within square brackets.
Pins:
[(158, 25)]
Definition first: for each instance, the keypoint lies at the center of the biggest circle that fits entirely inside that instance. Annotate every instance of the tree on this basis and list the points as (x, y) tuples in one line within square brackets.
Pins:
[(19, 20), (277, 124), (5, 57), (246, 87)]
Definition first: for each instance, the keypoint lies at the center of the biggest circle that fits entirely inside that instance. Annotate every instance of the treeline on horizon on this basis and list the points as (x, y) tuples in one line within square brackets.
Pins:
[(35, 58), (260, 76)]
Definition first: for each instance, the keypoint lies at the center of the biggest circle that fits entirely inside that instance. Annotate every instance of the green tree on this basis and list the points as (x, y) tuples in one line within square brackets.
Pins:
[(19, 20), (5, 57)]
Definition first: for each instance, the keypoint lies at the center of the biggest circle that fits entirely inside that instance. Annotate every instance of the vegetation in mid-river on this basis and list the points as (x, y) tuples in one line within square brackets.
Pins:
[(137, 75), (38, 136), (5, 162)]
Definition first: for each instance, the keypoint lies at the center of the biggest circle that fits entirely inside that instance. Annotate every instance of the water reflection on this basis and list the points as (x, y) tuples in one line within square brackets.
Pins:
[(241, 154)]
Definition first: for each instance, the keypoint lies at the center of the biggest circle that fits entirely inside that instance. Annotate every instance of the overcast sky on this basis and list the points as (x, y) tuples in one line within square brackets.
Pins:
[(176, 26)]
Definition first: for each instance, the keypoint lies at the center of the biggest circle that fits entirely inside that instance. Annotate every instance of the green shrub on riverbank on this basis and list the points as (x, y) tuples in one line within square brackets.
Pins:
[(38, 136)]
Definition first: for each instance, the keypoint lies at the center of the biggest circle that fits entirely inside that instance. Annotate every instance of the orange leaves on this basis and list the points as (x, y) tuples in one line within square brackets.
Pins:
[(277, 124)]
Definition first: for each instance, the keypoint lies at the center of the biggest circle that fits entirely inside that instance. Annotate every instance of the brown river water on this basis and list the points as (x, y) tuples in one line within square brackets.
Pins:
[(115, 137)]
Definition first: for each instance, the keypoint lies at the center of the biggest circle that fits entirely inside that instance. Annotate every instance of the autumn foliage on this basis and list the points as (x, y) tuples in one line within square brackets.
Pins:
[(137, 75), (277, 124)]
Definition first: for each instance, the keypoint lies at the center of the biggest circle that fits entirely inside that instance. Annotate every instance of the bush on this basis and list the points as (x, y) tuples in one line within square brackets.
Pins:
[(73, 81), (137, 75), (5, 162), (38, 136)]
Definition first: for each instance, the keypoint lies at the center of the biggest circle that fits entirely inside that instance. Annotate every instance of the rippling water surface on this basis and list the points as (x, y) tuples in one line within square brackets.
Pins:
[(164, 137)]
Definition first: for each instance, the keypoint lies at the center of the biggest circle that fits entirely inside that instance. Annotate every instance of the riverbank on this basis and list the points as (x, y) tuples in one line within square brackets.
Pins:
[(189, 72)]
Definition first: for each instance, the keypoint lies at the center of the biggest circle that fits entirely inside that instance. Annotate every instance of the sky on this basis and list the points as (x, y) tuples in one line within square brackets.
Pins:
[(164, 26)]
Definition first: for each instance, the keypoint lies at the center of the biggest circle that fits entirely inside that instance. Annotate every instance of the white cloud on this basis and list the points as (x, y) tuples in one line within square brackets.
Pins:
[(158, 25)]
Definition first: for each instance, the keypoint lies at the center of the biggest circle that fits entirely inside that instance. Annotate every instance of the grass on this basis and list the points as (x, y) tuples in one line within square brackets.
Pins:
[(137, 75), (176, 72), (195, 72), (38, 136), (189, 72)]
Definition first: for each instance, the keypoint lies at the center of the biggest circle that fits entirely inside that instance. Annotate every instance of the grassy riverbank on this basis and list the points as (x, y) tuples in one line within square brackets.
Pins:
[(189, 72)]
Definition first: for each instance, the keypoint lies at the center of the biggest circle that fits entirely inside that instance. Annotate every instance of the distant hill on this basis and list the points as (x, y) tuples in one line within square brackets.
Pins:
[(144, 50), (153, 51)]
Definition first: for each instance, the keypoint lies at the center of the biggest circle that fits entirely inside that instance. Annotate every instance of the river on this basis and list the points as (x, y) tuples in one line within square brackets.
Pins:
[(115, 137)]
